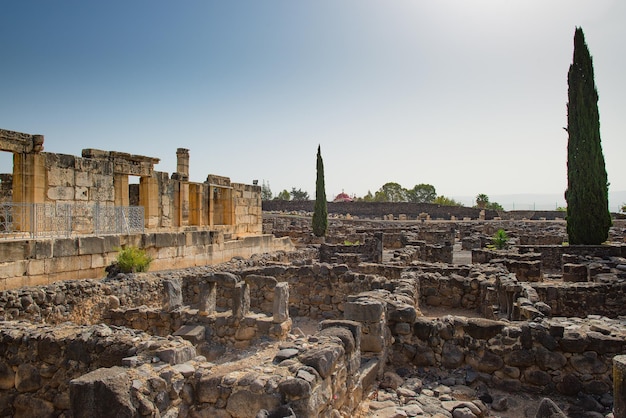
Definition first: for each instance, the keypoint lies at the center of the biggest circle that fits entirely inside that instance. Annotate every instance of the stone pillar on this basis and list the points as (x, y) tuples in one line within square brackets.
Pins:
[(173, 295), (102, 392), (182, 163), (120, 183), (619, 386), (208, 298), (281, 302), (371, 313), (241, 300), (149, 199)]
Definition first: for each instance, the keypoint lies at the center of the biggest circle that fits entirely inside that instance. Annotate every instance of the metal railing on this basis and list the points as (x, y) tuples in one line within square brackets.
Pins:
[(36, 220)]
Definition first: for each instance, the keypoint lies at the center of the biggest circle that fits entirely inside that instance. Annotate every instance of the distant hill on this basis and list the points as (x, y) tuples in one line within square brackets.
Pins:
[(530, 201)]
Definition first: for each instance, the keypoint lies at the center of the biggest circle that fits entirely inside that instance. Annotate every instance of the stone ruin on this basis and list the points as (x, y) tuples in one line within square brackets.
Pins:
[(406, 323), (65, 217)]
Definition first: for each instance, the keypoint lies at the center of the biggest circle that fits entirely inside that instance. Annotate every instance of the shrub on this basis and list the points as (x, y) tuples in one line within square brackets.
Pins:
[(500, 239), (133, 260)]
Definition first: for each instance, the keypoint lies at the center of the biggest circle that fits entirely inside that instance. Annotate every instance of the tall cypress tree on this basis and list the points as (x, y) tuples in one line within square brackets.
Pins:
[(588, 217), (320, 213)]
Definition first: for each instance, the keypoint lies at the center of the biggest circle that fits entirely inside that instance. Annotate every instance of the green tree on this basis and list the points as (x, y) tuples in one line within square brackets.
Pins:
[(588, 217), (266, 192), (284, 195), (320, 213), (369, 197), (446, 201), (494, 206), (623, 207), (482, 200), (390, 192), (299, 194), (421, 193)]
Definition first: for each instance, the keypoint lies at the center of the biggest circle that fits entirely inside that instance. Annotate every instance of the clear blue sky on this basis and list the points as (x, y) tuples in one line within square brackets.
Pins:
[(469, 96)]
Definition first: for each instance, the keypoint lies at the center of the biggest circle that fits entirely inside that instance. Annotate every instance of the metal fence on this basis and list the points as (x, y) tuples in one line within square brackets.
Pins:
[(33, 220)]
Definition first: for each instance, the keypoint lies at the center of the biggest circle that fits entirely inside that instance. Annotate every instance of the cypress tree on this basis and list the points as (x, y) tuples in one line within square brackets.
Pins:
[(588, 217), (320, 213)]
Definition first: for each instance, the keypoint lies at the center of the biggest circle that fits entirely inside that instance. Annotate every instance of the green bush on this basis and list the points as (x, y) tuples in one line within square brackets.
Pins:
[(133, 260), (500, 239)]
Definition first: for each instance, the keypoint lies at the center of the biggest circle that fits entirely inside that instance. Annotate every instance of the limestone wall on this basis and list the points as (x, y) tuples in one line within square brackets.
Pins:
[(43, 261)]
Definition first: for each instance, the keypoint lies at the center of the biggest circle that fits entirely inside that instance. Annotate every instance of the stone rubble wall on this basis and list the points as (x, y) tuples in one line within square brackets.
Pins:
[(39, 361), (552, 255), (101, 371), (582, 299), (555, 356)]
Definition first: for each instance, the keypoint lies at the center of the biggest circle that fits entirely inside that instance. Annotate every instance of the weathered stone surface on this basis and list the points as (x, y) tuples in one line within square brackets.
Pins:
[(364, 310), (569, 385), (172, 296), (322, 359), (548, 409), (294, 389), (7, 376), (103, 392), (28, 407), (484, 361), (346, 337), (588, 363), (452, 356), (246, 404), (27, 378), (281, 302), (549, 360), (483, 329), (520, 358)]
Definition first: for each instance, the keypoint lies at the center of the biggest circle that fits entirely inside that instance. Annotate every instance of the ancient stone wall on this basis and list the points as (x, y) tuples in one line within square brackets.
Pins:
[(582, 299), (381, 209), (552, 255), (563, 356), (43, 261)]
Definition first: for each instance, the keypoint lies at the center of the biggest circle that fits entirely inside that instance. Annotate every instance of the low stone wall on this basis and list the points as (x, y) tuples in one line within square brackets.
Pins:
[(39, 361), (554, 356), (43, 261), (380, 209), (552, 255), (526, 266), (582, 299), (352, 254)]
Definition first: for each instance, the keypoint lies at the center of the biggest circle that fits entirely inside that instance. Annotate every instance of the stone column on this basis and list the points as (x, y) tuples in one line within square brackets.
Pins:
[(208, 298), (371, 313), (173, 295), (619, 386), (149, 199), (182, 163), (281, 302), (120, 183), (241, 300)]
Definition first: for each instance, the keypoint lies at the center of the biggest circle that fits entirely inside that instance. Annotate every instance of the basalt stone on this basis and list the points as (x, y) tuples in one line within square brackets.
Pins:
[(424, 356), (29, 406), (27, 378), (322, 359), (573, 343), (7, 376), (569, 385), (537, 377), (588, 363), (596, 387), (548, 409), (423, 328), (452, 356), (549, 360), (294, 389), (103, 392), (484, 361), (483, 329), (520, 358), (603, 344), (241, 402), (343, 334), (547, 340), (400, 312)]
